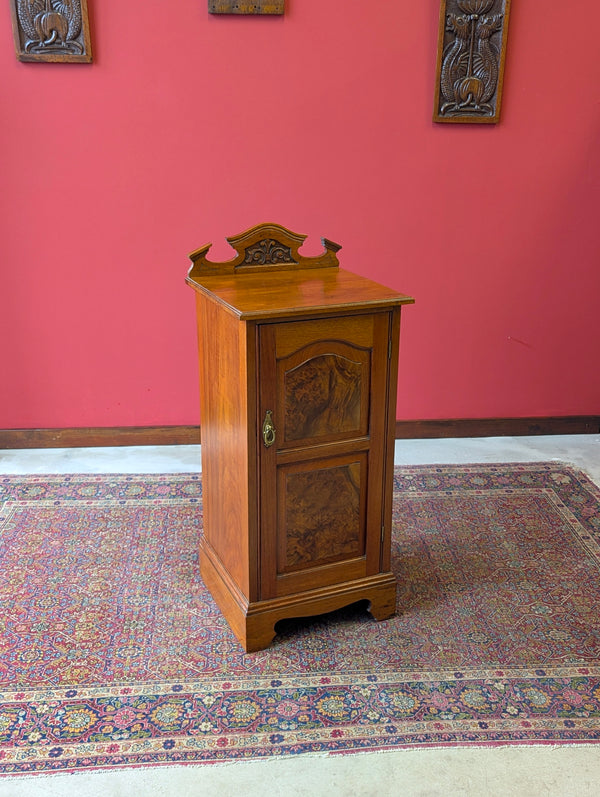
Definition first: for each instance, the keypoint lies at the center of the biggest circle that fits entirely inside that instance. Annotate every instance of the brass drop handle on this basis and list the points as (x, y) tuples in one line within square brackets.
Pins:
[(268, 430)]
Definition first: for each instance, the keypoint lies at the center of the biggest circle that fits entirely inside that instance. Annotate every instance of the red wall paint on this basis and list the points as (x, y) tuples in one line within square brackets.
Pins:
[(189, 127)]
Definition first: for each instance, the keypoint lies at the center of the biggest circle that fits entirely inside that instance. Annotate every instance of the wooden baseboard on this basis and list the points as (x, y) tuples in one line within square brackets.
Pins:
[(100, 436), (190, 435), (498, 427)]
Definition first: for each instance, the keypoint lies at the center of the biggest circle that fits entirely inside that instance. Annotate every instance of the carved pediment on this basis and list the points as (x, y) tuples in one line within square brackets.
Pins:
[(268, 247)]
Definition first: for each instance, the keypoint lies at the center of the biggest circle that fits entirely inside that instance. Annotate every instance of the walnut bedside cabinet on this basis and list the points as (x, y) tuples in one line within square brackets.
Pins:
[(298, 379)]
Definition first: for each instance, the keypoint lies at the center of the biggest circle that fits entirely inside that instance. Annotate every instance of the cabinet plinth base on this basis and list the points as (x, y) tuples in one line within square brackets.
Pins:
[(253, 623)]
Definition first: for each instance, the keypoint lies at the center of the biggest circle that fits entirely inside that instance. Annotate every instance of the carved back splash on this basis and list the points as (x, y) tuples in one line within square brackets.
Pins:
[(470, 66), (266, 247)]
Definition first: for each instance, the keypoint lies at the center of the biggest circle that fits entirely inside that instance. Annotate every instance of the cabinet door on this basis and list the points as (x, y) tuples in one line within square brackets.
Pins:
[(323, 386)]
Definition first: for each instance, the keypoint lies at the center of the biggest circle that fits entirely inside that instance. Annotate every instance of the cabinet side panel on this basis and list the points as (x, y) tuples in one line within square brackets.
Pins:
[(224, 425), (392, 392)]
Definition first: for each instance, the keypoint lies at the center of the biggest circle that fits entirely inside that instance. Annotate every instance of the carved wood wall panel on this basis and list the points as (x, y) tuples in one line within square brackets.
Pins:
[(470, 60), (51, 30), (246, 6)]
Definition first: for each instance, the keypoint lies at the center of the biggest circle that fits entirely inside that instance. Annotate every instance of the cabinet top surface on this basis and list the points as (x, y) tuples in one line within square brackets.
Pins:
[(288, 293)]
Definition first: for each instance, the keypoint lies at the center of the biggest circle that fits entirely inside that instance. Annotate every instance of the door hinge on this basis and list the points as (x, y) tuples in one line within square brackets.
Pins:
[(390, 349), (382, 533)]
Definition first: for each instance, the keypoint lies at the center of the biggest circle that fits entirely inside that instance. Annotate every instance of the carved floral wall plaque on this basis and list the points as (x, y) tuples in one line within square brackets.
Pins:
[(51, 30), (470, 64), (246, 6)]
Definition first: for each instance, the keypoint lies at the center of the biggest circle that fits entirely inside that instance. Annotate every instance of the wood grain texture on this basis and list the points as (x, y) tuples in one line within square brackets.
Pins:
[(322, 397), (320, 405), (321, 292), (228, 442), (322, 521)]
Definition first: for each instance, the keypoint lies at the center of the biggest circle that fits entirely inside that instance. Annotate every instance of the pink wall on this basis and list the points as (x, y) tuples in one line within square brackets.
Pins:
[(188, 128)]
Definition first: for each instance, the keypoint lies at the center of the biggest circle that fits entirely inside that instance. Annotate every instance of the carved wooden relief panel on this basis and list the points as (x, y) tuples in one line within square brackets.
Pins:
[(322, 520), (246, 6), (51, 30), (267, 252), (470, 65)]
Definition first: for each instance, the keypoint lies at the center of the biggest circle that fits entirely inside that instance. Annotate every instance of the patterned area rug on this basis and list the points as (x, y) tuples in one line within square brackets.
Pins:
[(113, 654)]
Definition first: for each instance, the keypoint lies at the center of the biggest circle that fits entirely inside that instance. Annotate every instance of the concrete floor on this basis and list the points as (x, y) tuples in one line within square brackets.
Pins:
[(562, 771)]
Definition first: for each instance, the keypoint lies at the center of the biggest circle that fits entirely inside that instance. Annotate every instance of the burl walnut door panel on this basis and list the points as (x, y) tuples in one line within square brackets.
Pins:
[(325, 394), (325, 384)]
